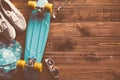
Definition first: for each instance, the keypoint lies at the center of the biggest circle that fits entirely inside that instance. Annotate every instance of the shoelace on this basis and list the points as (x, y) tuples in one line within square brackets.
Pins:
[(12, 16), (2, 26)]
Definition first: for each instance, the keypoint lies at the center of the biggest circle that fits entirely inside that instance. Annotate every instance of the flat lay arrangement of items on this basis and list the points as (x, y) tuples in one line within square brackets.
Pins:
[(11, 20)]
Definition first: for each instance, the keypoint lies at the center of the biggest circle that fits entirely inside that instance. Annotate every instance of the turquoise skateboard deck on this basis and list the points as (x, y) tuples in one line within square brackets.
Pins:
[(36, 38), (37, 34)]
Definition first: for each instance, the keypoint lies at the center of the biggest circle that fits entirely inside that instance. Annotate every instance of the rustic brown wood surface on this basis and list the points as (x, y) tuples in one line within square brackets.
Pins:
[(84, 40)]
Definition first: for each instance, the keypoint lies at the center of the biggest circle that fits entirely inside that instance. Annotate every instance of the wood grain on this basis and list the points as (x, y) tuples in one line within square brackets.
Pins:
[(93, 51), (85, 29), (84, 40), (80, 10)]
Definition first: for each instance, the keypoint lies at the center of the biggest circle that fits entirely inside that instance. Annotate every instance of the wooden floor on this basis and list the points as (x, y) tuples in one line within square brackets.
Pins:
[(84, 39)]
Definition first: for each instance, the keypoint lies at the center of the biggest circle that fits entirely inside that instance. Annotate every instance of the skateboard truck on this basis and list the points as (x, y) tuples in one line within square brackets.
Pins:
[(40, 12), (54, 70), (31, 62), (21, 64)]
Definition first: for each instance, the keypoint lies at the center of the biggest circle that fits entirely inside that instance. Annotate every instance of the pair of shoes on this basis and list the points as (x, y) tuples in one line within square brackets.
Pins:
[(10, 18), (6, 28)]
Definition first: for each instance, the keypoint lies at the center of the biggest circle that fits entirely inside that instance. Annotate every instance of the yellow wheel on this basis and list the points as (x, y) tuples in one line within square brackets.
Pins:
[(32, 4), (48, 7), (38, 66), (21, 64)]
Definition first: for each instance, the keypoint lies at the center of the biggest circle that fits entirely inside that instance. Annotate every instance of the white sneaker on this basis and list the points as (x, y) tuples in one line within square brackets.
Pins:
[(13, 15), (6, 28)]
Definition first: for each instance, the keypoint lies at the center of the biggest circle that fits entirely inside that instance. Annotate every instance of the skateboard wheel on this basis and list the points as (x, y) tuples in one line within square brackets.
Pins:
[(32, 4), (38, 66), (21, 64), (48, 7)]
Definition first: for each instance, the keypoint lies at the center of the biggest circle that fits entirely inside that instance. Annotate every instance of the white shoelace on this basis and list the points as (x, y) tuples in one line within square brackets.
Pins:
[(2, 26), (12, 16)]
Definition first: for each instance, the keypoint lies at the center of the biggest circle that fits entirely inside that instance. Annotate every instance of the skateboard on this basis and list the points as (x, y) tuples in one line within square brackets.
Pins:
[(36, 38), (10, 53)]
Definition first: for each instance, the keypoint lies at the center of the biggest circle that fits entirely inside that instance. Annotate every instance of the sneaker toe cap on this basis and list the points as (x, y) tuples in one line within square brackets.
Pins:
[(20, 25)]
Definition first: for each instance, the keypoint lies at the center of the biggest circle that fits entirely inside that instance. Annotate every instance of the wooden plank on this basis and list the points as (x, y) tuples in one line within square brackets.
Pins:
[(77, 70), (89, 73), (76, 2), (76, 54), (77, 44), (83, 59), (88, 13), (81, 11), (97, 56), (86, 29), (90, 2)]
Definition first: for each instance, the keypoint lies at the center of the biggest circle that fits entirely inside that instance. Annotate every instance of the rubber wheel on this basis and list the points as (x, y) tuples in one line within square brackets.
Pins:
[(38, 66), (21, 64), (48, 7), (32, 4)]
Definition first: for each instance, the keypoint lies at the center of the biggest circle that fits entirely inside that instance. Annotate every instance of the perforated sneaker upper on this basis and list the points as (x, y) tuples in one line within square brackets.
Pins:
[(2, 24), (13, 15), (6, 28)]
